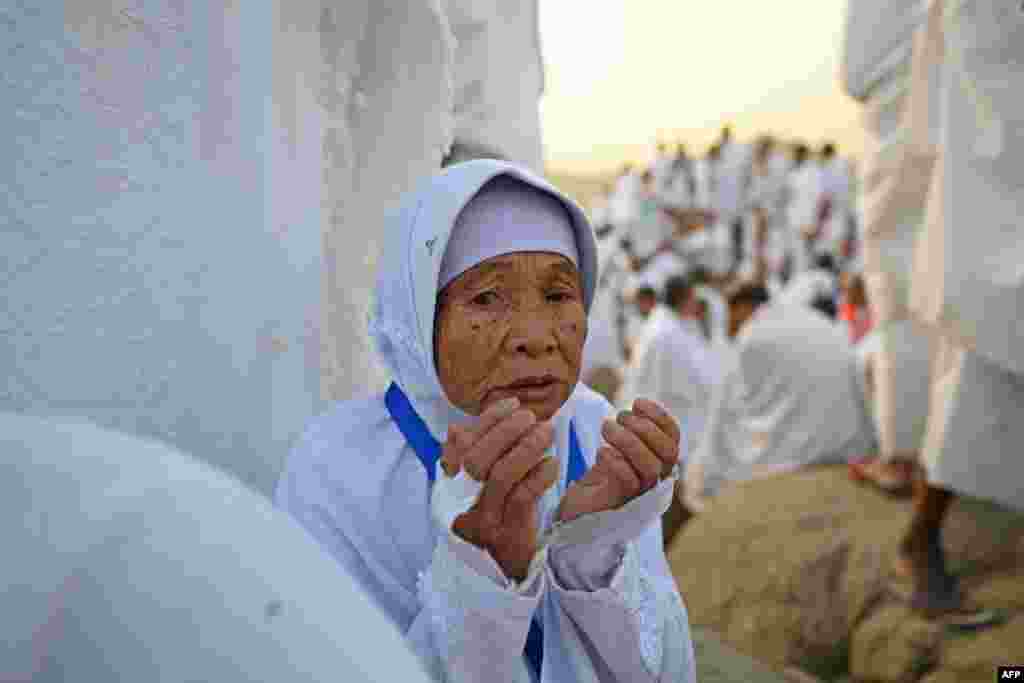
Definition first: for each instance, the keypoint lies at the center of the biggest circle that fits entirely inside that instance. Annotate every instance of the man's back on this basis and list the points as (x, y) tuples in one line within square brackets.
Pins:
[(790, 398)]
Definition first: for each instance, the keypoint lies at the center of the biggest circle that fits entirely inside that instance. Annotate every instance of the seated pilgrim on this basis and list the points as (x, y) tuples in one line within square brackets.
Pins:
[(791, 396), (500, 512)]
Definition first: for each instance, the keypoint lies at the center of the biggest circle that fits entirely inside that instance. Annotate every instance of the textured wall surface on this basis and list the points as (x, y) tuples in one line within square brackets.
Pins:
[(160, 243), (194, 192)]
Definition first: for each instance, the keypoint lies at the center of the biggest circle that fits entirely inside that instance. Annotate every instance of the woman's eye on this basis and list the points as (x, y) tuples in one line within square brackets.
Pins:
[(488, 298), (559, 297)]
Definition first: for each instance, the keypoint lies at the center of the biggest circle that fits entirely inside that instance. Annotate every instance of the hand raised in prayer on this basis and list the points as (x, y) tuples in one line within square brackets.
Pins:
[(506, 451), (642, 446)]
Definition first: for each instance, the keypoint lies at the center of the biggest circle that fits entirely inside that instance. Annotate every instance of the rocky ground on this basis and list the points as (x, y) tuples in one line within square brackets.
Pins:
[(795, 572)]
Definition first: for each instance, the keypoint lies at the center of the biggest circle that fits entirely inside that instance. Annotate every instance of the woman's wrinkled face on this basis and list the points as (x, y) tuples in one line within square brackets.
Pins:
[(513, 325)]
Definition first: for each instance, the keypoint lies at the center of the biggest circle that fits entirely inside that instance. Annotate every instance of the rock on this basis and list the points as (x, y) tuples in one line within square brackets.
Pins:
[(894, 645), (793, 570), (794, 675), (783, 566), (719, 663), (973, 658)]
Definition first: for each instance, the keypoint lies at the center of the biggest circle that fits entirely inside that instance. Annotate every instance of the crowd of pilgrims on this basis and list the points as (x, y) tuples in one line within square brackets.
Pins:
[(693, 249)]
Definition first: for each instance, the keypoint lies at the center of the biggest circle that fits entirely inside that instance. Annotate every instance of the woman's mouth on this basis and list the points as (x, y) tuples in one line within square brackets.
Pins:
[(532, 389)]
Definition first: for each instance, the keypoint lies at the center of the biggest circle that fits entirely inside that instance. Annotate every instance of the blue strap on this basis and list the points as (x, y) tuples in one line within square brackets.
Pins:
[(428, 450), (416, 434)]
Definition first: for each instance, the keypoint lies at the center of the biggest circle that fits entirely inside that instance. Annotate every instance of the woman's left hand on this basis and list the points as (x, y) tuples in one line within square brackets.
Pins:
[(642, 447)]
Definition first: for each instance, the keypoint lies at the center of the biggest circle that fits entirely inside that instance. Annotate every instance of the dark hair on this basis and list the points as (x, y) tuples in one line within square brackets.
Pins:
[(800, 153), (825, 261), (678, 290), (749, 293), (463, 150), (646, 291), (825, 305)]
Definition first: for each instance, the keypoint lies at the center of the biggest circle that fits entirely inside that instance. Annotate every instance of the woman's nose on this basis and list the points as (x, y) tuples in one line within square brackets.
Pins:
[(532, 334)]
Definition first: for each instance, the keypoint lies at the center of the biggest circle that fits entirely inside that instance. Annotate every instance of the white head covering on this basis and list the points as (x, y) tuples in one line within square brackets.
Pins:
[(416, 242), (505, 217), (410, 276)]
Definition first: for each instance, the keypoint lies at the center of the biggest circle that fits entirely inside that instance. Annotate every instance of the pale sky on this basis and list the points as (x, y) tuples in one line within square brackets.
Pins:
[(622, 72)]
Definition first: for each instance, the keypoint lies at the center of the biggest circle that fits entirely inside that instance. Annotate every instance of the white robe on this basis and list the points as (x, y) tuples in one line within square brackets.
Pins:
[(675, 367), (897, 177), (601, 587), (730, 181), (602, 348), (968, 285), (790, 397), (623, 203), (809, 285), (718, 315), (125, 560), (803, 194), (649, 226), (663, 266)]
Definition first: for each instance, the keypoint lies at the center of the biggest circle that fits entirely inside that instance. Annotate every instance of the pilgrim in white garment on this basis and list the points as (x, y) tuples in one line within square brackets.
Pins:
[(717, 316), (661, 167), (967, 286), (506, 518), (836, 185), (887, 67), (803, 194), (675, 366), (762, 208), (968, 282), (602, 352), (681, 192), (665, 264), (789, 397), (650, 227), (811, 285), (624, 199), (642, 312)]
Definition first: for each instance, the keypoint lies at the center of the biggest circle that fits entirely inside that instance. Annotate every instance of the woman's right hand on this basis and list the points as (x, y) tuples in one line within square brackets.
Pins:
[(506, 451)]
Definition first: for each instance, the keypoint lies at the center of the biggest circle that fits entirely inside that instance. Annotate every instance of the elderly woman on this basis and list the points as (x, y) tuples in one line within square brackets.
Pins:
[(495, 508)]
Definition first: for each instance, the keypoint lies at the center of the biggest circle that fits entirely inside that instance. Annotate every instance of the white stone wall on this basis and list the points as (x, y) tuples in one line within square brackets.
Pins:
[(193, 196)]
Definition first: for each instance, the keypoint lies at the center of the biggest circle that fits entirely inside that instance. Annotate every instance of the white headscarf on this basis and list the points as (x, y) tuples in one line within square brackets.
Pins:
[(409, 277), (505, 217)]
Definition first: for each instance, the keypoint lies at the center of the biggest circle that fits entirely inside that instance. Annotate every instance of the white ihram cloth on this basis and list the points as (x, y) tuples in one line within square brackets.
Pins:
[(602, 349), (809, 285), (109, 575), (897, 176), (600, 586), (675, 367), (790, 397), (968, 281), (803, 193)]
